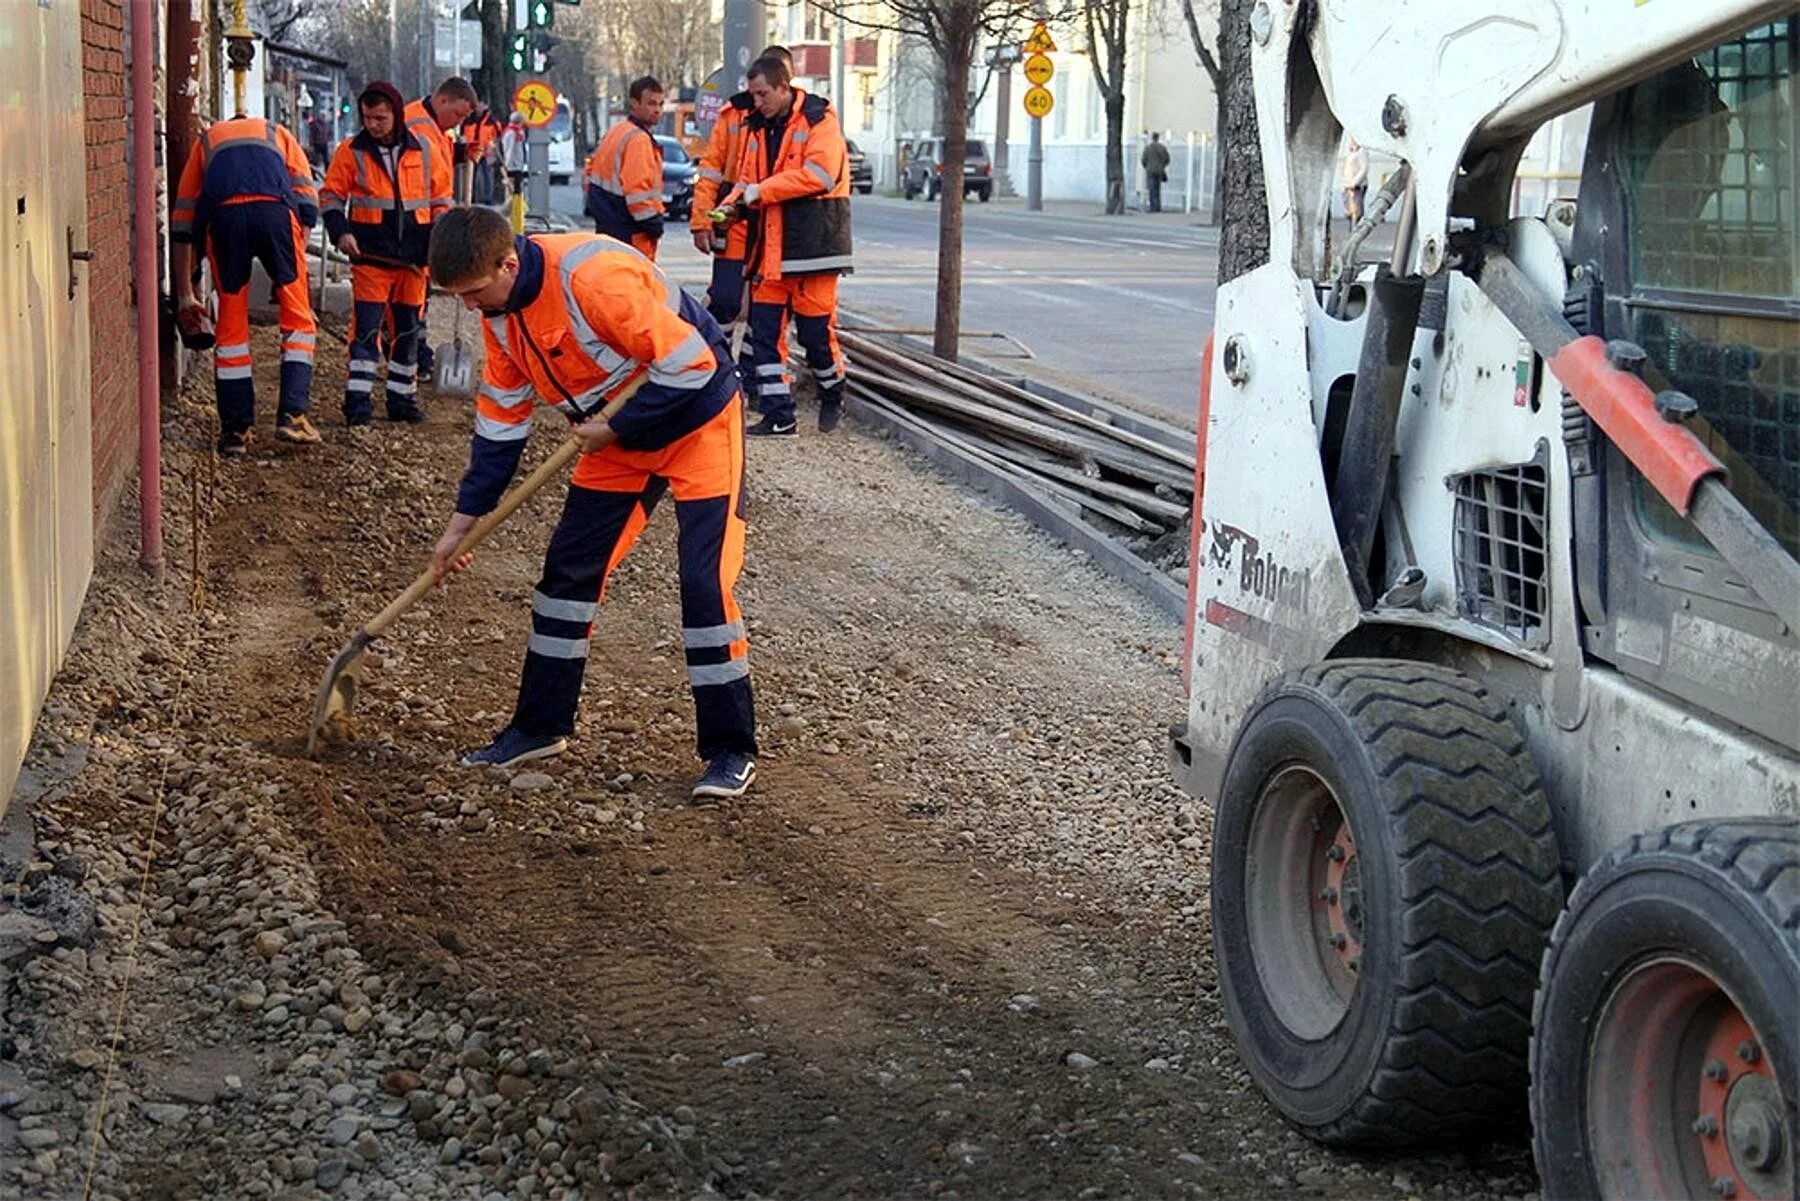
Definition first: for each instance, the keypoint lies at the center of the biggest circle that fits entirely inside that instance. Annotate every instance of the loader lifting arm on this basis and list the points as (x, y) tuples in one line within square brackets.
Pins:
[(1648, 430)]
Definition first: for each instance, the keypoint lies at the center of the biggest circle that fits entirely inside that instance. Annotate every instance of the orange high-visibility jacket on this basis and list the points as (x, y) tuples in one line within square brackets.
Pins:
[(238, 161), (479, 135), (589, 315), (390, 215), (623, 183), (421, 122), (801, 222), (719, 168)]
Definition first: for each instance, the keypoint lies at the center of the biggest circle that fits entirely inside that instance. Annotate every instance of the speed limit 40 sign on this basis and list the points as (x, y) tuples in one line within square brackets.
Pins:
[(1039, 101)]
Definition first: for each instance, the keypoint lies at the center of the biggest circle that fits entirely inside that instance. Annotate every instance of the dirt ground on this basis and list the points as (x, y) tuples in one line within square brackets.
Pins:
[(953, 944)]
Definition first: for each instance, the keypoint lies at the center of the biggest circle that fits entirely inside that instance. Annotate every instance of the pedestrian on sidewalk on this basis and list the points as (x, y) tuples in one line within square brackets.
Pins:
[(623, 180), (794, 182), (246, 196), (318, 132), (1353, 177), (614, 320), (1155, 161), (384, 190), (512, 152)]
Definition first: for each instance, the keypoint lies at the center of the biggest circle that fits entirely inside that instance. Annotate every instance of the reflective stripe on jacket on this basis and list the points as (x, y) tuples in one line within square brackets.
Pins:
[(236, 161), (390, 215), (421, 123), (623, 183), (588, 315), (719, 169), (801, 225)]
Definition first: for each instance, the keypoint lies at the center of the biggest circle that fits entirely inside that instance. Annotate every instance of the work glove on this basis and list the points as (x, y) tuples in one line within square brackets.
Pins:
[(195, 327)]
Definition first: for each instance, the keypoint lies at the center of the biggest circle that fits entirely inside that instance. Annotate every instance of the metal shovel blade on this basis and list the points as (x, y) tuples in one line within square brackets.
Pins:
[(337, 691), (455, 370)]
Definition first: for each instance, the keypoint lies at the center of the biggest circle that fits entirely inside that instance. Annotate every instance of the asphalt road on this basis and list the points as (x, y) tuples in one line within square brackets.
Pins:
[(1119, 305)]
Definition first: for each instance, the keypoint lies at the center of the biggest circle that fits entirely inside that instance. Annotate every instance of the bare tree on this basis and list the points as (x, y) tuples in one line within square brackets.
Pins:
[(1111, 21), (953, 29), (1209, 62)]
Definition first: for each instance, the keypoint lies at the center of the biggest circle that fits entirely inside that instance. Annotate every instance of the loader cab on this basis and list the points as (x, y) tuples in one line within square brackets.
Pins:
[(1687, 243)]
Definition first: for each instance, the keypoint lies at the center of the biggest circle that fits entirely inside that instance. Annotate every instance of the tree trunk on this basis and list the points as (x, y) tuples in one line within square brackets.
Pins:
[(1216, 205), (1115, 152), (948, 327), (1244, 237), (493, 80)]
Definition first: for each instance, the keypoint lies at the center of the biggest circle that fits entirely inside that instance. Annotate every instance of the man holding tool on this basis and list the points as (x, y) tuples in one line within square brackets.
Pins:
[(594, 330), (725, 240), (794, 179), (246, 195), (382, 193)]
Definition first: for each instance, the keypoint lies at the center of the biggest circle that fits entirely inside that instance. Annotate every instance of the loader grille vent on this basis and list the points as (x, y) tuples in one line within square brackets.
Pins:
[(1501, 532)]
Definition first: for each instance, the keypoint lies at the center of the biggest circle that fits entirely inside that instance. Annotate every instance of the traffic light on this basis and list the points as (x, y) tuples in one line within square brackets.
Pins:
[(540, 14), (519, 52)]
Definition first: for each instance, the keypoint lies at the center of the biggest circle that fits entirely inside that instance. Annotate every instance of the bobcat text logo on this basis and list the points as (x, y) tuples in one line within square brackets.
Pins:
[(1258, 573)]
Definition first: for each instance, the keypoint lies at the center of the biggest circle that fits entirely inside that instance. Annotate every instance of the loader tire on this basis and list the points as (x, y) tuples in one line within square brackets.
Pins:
[(1666, 1058), (1385, 877)]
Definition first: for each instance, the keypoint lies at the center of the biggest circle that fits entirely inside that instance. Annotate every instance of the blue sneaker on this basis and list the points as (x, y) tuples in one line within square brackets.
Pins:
[(728, 775), (512, 747)]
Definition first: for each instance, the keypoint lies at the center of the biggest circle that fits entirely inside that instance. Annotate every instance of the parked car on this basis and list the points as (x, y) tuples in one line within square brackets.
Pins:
[(862, 176), (924, 174), (679, 173)]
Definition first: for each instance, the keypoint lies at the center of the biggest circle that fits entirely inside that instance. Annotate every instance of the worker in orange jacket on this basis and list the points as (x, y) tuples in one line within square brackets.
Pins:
[(623, 180), (246, 195), (480, 134), (718, 171), (794, 182), (433, 118), (382, 192), (576, 320)]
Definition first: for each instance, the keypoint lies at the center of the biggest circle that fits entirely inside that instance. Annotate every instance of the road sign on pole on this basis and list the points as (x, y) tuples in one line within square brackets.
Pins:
[(536, 102), (1039, 69), (1039, 101), (1040, 41)]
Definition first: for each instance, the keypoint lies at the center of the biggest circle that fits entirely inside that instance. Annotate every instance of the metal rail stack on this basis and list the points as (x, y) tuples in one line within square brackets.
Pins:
[(1130, 488)]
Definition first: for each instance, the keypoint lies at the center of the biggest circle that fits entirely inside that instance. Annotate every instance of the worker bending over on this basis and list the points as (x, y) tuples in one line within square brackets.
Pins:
[(384, 189), (575, 320), (794, 178), (623, 180), (726, 242), (246, 195)]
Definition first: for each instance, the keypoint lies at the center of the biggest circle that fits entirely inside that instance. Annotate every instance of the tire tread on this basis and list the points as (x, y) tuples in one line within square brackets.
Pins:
[(1481, 887)]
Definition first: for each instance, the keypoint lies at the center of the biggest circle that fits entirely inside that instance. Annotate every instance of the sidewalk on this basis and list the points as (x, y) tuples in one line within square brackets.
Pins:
[(1076, 209)]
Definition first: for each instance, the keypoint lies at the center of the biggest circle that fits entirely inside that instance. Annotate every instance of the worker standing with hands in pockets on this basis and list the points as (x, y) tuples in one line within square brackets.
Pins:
[(577, 321)]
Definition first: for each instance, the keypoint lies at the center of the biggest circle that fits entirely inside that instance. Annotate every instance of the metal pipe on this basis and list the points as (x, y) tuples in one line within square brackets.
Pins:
[(147, 282)]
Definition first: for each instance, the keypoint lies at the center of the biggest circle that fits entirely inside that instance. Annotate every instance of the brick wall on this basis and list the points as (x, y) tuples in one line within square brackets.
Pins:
[(113, 349)]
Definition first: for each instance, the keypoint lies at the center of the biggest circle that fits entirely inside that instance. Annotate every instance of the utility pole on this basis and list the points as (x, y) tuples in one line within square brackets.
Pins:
[(393, 72), (1003, 58), (837, 65), (1034, 162), (746, 33)]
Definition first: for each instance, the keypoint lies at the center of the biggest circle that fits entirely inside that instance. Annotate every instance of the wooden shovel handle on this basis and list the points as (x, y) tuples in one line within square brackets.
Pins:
[(552, 466)]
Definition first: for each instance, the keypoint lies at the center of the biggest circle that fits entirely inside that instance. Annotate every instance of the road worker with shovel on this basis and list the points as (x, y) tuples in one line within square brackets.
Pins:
[(591, 328)]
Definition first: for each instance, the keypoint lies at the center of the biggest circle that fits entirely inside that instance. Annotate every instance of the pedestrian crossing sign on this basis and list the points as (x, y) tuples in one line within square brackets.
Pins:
[(1039, 42)]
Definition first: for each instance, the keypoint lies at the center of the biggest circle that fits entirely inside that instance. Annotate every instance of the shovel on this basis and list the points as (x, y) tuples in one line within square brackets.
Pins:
[(337, 691), (455, 365)]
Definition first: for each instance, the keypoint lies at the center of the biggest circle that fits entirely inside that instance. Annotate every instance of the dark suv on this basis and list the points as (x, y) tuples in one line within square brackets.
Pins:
[(924, 173), (862, 176)]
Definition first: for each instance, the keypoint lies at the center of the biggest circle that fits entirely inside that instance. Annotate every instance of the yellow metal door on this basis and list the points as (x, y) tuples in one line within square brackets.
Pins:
[(46, 506)]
